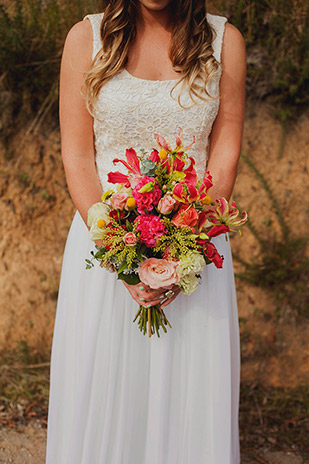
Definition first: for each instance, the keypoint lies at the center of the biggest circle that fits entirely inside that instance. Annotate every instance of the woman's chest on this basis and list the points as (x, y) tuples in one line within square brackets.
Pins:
[(148, 57)]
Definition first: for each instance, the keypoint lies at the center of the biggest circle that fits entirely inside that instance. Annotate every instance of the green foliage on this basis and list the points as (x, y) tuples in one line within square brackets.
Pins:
[(283, 264), (276, 33), (32, 33), (177, 241)]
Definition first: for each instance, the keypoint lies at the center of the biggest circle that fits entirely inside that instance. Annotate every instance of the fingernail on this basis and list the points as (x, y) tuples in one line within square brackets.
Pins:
[(142, 299), (161, 296), (148, 306), (141, 288)]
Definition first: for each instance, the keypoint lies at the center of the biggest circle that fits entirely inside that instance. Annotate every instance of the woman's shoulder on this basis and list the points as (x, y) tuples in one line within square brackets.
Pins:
[(79, 33), (227, 35), (77, 50)]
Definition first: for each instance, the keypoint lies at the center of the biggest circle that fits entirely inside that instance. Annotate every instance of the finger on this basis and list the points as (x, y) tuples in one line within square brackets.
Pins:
[(151, 295), (162, 299), (172, 298)]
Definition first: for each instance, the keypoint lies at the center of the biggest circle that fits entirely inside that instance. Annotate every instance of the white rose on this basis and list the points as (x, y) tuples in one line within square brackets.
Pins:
[(191, 263), (188, 284), (97, 211)]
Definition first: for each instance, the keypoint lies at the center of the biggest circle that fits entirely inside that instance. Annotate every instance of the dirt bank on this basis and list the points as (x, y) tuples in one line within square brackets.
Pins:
[(36, 212)]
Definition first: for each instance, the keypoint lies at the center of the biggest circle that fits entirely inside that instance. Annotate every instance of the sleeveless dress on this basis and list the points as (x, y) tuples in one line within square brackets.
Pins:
[(116, 396)]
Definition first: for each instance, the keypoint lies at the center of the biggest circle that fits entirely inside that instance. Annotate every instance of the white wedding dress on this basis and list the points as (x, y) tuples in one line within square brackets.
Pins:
[(116, 396)]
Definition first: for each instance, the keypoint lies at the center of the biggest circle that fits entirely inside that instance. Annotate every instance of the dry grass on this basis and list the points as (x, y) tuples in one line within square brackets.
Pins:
[(271, 417)]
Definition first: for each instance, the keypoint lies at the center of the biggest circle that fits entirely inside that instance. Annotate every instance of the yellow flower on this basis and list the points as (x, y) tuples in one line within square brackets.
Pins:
[(101, 223), (206, 200), (131, 203), (162, 154), (107, 194)]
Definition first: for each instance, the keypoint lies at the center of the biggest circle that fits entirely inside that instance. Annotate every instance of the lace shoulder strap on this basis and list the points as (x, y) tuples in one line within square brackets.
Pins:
[(95, 21), (218, 23)]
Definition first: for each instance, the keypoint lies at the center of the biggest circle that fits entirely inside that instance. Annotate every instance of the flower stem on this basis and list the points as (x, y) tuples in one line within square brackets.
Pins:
[(149, 322)]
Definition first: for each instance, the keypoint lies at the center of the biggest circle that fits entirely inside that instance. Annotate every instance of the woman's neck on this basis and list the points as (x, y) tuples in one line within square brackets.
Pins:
[(153, 19)]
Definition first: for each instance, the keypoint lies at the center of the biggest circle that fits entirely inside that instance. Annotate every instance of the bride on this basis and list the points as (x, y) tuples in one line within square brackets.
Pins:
[(116, 396)]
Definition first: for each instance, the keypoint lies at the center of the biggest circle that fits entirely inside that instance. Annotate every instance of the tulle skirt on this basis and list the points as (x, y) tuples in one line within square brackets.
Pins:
[(118, 397)]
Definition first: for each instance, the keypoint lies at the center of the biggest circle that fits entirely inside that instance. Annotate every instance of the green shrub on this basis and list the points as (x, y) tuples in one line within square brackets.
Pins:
[(32, 33), (276, 33)]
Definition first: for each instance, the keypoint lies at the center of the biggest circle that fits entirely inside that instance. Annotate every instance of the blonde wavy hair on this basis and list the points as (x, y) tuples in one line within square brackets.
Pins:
[(191, 50)]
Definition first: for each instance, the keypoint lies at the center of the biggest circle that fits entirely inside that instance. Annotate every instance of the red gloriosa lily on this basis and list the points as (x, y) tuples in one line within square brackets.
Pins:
[(132, 163)]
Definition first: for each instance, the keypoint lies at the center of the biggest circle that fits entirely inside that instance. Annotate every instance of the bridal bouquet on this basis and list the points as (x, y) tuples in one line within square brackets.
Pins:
[(156, 226)]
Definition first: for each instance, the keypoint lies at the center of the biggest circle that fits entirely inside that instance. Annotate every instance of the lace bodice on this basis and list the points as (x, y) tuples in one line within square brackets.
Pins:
[(130, 110)]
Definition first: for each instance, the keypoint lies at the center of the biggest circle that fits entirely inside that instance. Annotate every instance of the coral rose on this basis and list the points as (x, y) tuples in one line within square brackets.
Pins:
[(158, 273), (130, 239), (185, 216), (166, 204)]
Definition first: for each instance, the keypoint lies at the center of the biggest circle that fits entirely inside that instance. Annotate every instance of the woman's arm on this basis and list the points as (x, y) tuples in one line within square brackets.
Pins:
[(77, 141), (77, 138), (227, 130)]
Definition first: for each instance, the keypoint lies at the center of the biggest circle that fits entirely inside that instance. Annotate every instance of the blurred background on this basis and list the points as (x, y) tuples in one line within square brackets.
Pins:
[(271, 259)]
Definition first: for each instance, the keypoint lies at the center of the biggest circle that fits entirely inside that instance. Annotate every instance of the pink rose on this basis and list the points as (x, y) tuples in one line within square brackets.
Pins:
[(158, 273), (185, 216), (130, 239), (166, 204), (119, 200)]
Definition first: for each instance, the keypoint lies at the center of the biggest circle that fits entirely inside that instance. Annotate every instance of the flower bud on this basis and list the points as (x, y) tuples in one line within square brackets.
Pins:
[(131, 203), (149, 187), (163, 154), (101, 223)]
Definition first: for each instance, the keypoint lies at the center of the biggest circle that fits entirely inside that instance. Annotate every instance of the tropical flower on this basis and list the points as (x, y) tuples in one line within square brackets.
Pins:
[(210, 251), (227, 214), (133, 166), (164, 144)]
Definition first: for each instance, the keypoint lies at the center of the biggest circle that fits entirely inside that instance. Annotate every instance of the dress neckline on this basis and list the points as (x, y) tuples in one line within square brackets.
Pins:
[(149, 80)]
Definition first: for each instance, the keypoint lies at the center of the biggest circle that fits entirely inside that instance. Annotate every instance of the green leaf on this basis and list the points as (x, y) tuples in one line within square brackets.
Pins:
[(129, 226), (131, 279), (122, 267)]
